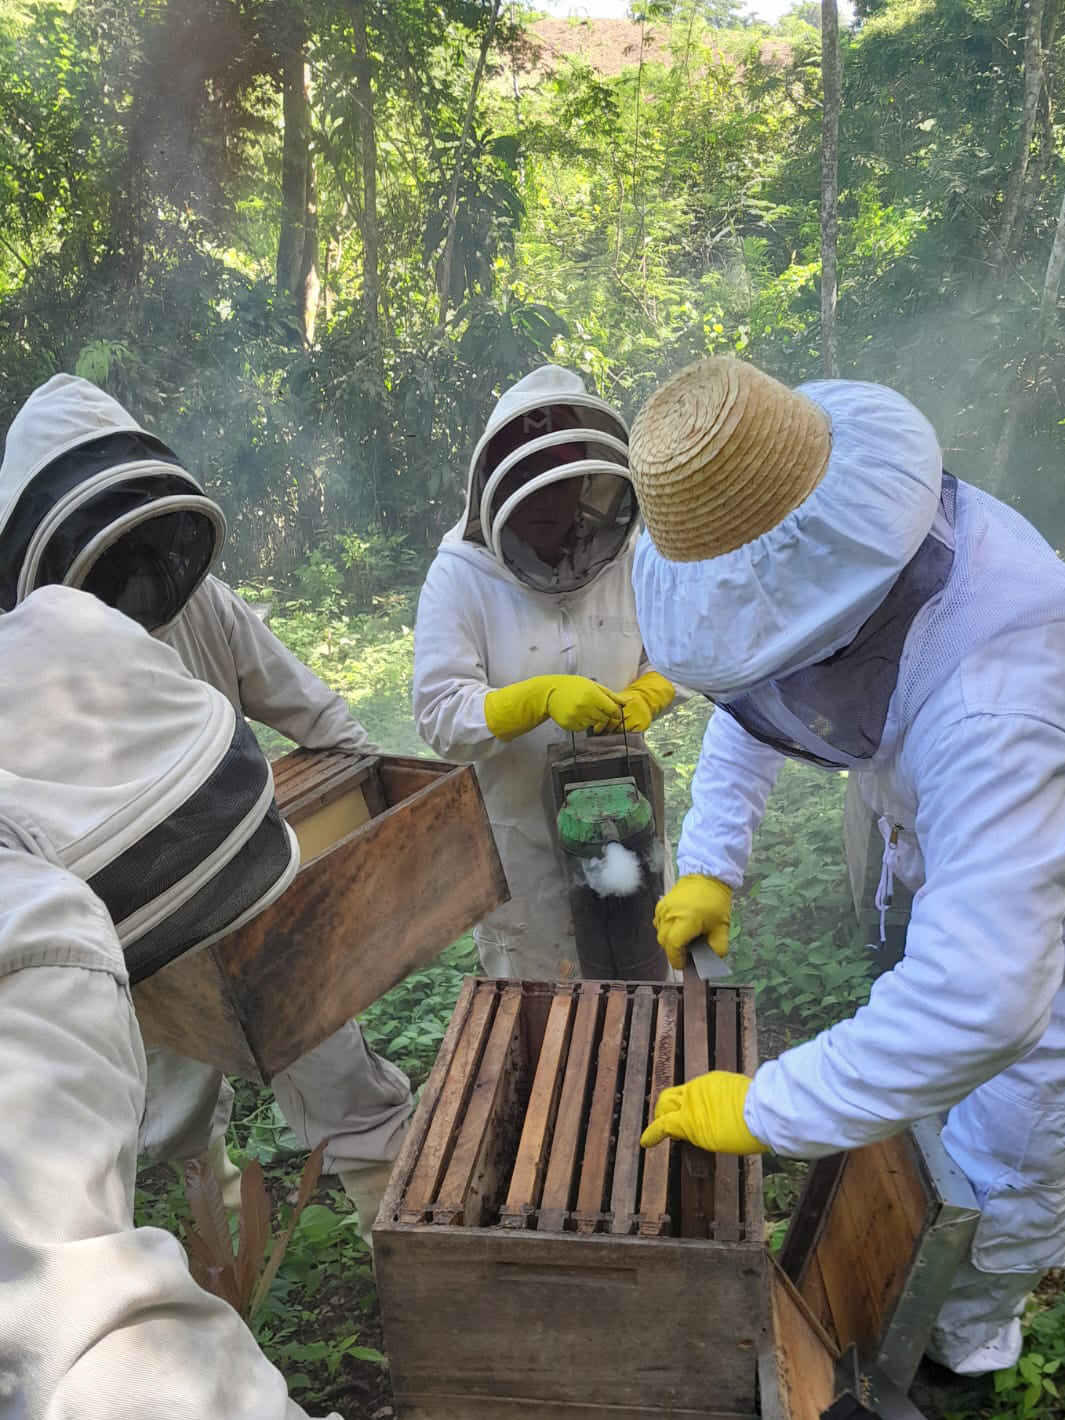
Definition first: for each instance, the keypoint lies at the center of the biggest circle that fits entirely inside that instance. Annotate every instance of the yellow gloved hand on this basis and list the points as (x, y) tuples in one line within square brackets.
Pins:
[(706, 1112), (573, 701), (644, 700), (695, 906)]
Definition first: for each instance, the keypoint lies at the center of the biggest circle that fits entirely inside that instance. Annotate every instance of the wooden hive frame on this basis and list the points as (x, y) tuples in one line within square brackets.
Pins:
[(533, 1261), (397, 861)]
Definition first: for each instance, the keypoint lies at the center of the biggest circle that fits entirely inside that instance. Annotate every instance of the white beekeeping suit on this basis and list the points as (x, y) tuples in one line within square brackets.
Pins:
[(105, 747), (847, 602), (493, 615), (89, 499)]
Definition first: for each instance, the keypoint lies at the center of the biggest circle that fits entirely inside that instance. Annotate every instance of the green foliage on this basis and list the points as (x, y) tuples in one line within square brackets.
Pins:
[(243, 1275), (409, 1023), (1032, 1389), (316, 1319)]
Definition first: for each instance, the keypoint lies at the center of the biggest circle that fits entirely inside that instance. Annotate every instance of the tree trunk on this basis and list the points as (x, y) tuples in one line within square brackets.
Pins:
[(1055, 269), (364, 98), (1012, 219), (297, 246), (830, 83), (448, 257), (378, 449), (1048, 310), (1039, 169)]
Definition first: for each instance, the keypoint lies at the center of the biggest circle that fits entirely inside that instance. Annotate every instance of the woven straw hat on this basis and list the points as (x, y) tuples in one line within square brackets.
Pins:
[(720, 454)]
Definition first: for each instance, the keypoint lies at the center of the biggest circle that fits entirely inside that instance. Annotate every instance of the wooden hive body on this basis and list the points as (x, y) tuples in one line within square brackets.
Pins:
[(397, 860), (874, 1243), (532, 1261)]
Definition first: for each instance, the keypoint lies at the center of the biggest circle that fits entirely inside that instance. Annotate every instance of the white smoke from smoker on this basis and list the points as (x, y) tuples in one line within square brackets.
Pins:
[(616, 874), (656, 856)]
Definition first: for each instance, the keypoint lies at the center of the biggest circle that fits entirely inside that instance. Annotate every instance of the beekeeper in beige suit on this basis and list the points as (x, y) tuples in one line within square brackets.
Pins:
[(109, 749), (88, 499)]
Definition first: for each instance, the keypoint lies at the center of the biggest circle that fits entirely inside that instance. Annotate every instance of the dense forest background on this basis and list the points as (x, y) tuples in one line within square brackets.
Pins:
[(310, 242)]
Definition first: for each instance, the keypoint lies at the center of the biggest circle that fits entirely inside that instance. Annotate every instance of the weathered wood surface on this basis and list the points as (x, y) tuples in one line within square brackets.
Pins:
[(446, 1117), (414, 1139), (308, 780), (537, 1124), (591, 1196), (654, 1190), (189, 1008), (853, 1238), (473, 1170), (496, 1407), (698, 1167), (570, 1320), (798, 1373), (530, 1162), (726, 1225), (628, 1155), (751, 1169), (383, 902), (572, 1112)]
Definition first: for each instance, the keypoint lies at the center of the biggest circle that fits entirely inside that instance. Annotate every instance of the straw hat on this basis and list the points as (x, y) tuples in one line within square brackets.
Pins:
[(720, 454)]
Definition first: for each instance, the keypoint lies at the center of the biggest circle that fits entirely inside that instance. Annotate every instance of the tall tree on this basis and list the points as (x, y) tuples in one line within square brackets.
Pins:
[(445, 278), (368, 224), (830, 85), (1011, 219), (297, 246), (1035, 366)]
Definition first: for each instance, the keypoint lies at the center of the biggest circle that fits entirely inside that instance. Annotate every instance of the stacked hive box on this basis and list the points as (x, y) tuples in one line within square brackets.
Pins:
[(397, 859), (533, 1261), (534, 1264)]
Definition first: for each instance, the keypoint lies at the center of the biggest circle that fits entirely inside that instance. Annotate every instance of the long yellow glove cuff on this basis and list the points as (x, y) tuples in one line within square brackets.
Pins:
[(696, 906), (573, 701), (644, 700), (706, 1112)]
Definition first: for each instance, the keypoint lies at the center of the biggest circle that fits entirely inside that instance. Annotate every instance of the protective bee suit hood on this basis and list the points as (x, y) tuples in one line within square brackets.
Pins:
[(487, 620), (89, 499), (143, 781), (826, 634), (516, 458), (801, 590)]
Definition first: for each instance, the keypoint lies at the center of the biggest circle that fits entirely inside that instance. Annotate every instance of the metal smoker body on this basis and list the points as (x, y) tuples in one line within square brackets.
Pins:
[(599, 803)]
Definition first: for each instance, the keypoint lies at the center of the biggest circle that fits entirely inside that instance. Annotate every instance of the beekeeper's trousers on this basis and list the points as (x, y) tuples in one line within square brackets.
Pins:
[(1008, 1137), (341, 1091)]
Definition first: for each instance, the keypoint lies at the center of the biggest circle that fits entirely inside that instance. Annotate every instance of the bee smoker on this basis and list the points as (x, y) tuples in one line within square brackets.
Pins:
[(608, 836)]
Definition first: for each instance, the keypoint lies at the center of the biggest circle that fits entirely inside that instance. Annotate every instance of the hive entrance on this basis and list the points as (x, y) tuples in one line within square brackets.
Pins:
[(539, 1117)]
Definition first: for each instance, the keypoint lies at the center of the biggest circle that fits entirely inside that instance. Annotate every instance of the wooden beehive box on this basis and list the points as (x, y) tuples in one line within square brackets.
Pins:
[(874, 1243), (533, 1262), (397, 860)]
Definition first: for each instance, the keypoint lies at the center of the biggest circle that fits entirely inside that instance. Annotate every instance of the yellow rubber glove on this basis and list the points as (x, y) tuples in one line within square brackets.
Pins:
[(696, 906), (706, 1112), (573, 701), (644, 700)]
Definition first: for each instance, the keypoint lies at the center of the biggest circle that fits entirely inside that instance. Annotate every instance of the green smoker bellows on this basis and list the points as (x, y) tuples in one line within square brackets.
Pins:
[(607, 832)]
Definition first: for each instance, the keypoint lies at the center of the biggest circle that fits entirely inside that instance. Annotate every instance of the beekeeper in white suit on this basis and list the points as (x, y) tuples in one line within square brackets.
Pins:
[(527, 631), (810, 567), (88, 499), (109, 751)]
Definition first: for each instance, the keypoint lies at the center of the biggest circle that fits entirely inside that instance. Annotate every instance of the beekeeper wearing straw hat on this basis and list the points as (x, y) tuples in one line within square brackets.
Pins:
[(810, 567), (527, 632), (89, 499)]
